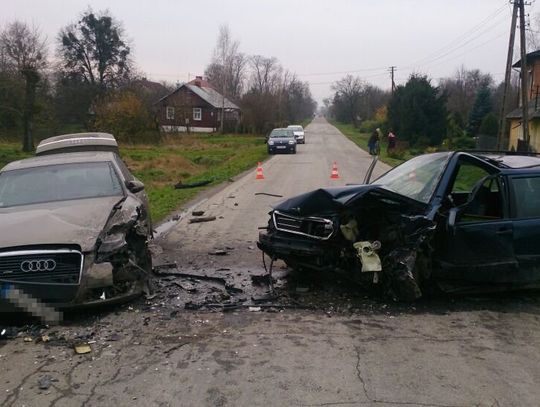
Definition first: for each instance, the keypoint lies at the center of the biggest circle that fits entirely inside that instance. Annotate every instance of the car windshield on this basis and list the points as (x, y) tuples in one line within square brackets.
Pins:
[(416, 178), (58, 183), (281, 133)]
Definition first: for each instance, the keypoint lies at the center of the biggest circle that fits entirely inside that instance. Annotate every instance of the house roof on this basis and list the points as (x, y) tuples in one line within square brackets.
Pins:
[(531, 56), (208, 94), (200, 81), (534, 111), (150, 87)]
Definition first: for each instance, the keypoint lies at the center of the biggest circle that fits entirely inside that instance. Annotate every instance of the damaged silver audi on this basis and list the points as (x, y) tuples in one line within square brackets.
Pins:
[(75, 224), (467, 221)]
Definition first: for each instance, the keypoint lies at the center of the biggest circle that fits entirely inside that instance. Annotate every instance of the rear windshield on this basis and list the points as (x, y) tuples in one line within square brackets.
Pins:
[(296, 128), (58, 183), (281, 133)]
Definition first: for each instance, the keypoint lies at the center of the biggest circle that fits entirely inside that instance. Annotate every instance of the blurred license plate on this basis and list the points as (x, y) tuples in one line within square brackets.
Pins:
[(281, 146)]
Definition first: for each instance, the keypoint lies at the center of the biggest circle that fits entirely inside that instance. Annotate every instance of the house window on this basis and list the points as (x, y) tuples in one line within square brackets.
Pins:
[(169, 113), (197, 113)]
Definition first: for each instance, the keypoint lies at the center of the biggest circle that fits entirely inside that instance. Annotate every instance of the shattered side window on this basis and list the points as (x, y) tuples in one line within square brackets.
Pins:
[(416, 178)]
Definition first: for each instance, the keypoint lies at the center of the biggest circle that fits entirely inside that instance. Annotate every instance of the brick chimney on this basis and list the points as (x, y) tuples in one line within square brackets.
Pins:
[(198, 81)]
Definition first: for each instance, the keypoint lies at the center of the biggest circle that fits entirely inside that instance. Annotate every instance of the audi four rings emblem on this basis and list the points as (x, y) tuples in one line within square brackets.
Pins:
[(38, 265)]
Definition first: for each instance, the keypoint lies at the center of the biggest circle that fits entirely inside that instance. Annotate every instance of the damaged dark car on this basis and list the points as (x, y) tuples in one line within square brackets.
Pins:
[(464, 221), (75, 224)]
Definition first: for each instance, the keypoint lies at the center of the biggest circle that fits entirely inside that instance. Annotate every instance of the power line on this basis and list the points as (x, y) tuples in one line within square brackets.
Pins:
[(437, 53), (464, 35), (458, 47)]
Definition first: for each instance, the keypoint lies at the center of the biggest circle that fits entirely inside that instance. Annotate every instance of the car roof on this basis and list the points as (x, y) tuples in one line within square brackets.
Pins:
[(61, 158), (77, 142), (511, 161)]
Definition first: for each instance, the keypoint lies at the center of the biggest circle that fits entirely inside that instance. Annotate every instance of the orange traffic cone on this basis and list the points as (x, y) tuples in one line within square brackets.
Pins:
[(259, 172), (335, 174)]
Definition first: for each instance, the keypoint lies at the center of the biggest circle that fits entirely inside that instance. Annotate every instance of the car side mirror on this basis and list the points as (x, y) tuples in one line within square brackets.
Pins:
[(134, 186)]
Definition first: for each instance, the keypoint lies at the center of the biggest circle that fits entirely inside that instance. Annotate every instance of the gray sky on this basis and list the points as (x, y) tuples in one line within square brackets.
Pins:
[(319, 40)]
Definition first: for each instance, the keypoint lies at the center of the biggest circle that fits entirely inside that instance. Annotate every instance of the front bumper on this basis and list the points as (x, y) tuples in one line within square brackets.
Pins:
[(96, 286), (287, 148), (282, 246)]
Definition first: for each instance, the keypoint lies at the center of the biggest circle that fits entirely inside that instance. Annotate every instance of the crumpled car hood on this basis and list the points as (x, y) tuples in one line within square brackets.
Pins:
[(65, 222), (325, 200)]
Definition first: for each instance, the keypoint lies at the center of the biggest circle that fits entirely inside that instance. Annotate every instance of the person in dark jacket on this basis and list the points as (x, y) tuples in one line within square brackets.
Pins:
[(373, 143)]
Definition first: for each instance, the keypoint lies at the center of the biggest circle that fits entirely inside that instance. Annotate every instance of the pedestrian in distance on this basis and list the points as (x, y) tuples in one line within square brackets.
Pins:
[(373, 142), (391, 142)]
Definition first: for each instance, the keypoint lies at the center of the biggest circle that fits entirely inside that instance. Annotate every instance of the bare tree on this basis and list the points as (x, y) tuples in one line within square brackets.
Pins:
[(230, 78), (266, 73), (461, 90), (227, 68), (533, 34), (25, 48), (347, 96)]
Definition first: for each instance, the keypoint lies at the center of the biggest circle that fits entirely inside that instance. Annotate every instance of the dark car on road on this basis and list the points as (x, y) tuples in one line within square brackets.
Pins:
[(467, 221), (281, 140), (75, 224)]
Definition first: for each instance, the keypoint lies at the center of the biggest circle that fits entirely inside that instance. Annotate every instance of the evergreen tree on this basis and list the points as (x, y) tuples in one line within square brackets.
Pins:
[(417, 112), (489, 126), (482, 106)]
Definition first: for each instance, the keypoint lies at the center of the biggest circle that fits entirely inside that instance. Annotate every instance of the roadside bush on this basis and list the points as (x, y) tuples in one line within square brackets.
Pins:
[(398, 154), (463, 143), (367, 126), (125, 116)]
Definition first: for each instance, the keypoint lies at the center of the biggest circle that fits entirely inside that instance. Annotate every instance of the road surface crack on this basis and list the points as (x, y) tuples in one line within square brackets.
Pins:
[(383, 401)]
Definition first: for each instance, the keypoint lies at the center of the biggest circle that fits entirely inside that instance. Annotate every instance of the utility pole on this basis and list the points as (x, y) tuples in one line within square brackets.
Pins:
[(392, 70), (524, 75), (507, 77)]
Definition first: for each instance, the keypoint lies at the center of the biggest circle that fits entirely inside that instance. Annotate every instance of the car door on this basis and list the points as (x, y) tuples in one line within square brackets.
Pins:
[(479, 236), (526, 224)]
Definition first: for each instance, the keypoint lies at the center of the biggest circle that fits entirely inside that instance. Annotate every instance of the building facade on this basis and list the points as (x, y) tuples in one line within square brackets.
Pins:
[(196, 107)]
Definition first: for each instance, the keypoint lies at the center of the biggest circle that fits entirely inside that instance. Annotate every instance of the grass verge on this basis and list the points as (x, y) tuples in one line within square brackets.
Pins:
[(361, 140), (180, 158)]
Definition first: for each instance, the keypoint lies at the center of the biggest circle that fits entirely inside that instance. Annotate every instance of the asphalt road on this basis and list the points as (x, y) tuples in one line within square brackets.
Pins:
[(239, 211), (349, 350)]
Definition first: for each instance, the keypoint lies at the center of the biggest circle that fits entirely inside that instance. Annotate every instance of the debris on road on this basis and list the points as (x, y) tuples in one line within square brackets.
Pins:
[(186, 286), (264, 279), (254, 309), (82, 348), (268, 194), (44, 382), (197, 213), (188, 275), (202, 219), (181, 185), (219, 253)]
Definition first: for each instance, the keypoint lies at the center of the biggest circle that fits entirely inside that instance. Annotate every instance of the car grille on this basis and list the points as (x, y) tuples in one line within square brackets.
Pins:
[(41, 266), (317, 228)]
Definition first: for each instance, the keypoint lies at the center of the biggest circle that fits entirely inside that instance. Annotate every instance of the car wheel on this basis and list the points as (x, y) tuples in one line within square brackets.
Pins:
[(294, 151)]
